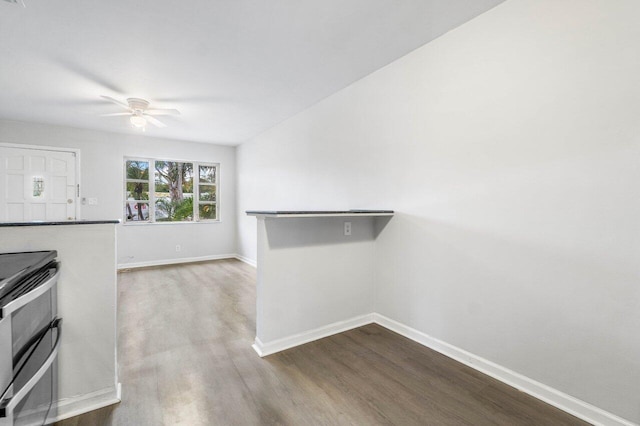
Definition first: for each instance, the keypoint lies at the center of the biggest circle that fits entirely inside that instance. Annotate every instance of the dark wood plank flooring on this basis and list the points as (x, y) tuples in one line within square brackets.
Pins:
[(185, 356)]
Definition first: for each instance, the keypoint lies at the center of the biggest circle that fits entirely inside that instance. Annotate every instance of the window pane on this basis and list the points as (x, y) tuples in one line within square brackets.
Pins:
[(136, 212), (207, 174), (137, 191), (174, 179), (138, 170), (207, 193), (187, 181), (160, 176), (174, 211), (207, 211)]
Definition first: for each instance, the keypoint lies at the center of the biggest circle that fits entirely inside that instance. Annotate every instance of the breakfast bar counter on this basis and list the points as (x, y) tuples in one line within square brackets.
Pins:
[(315, 273)]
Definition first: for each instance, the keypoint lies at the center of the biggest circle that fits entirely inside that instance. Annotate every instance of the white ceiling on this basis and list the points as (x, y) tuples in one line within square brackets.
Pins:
[(233, 68)]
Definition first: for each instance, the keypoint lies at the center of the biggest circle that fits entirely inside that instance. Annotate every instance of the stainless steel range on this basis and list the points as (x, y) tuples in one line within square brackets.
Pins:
[(29, 337)]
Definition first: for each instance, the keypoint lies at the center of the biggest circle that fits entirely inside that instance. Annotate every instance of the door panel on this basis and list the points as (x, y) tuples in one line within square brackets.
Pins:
[(15, 212), (37, 185), (15, 163), (15, 187), (38, 211), (59, 187), (38, 163)]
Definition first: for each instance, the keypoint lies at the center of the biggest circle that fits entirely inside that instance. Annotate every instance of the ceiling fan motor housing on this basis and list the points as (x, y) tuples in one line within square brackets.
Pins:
[(137, 104)]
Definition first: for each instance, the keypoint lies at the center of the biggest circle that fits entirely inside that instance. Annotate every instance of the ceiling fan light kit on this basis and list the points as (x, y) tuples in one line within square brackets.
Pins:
[(138, 121), (139, 112)]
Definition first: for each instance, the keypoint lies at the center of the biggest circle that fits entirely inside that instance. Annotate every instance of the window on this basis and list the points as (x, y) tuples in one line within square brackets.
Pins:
[(170, 191), (137, 191)]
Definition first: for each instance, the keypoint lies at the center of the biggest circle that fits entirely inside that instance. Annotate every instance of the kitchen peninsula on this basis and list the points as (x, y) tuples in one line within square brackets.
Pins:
[(87, 368), (315, 274)]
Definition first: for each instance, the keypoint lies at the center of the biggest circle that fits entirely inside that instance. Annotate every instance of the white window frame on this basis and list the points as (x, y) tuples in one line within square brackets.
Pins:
[(152, 192)]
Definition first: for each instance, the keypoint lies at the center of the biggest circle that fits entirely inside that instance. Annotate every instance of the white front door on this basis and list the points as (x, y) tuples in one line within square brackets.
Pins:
[(37, 184)]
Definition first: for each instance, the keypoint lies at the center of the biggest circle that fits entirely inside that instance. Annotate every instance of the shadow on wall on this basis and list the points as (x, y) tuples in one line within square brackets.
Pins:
[(321, 231)]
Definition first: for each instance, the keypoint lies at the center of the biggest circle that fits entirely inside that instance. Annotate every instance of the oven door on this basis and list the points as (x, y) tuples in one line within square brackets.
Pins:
[(27, 401), (24, 313)]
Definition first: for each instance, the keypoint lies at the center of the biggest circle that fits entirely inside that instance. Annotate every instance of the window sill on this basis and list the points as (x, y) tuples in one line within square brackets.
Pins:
[(203, 222)]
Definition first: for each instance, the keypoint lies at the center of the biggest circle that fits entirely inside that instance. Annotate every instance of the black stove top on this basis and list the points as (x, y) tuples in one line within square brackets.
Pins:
[(15, 266)]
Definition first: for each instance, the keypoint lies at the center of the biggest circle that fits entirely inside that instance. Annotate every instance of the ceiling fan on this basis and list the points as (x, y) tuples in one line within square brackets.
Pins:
[(139, 112)]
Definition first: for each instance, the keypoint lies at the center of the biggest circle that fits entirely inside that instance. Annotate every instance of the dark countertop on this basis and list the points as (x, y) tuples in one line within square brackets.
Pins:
[(318, 213), (66, 222)]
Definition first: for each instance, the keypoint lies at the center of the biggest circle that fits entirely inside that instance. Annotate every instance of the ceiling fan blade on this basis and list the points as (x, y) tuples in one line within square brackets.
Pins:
[(20, 2), (154, 121), (162, 111), (115, 114), (115, 101)]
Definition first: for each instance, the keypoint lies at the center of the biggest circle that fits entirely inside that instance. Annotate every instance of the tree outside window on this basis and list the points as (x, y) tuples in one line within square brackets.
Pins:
[(137, 191), (175, 192)]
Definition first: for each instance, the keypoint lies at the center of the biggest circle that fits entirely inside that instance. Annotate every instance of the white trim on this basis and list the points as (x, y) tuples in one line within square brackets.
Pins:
[(246, 260), (71, 407), (161, 262), (257, 346), (561, 400), (554, 397), (182, 222), (264, 349), (39, 147)]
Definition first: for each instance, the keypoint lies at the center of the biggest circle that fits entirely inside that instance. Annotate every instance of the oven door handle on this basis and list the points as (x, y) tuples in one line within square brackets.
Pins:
[(14, 305), (8, 404)]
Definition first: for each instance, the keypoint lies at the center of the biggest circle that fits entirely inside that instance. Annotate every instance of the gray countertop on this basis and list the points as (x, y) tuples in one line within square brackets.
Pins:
[(318, 213), (65, 222)]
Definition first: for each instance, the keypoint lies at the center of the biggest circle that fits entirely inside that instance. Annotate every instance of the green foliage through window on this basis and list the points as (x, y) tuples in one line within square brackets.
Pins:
[(175, 192)]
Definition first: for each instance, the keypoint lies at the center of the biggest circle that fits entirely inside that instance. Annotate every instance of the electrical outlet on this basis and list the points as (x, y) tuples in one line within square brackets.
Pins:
[(178, 248), (347, 228), (93, 201)]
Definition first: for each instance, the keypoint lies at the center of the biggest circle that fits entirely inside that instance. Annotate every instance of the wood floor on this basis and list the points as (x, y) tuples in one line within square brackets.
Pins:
[(185, 356)]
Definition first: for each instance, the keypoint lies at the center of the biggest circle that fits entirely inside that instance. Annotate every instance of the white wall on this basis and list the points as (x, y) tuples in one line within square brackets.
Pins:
[(102, 155), (509, 148)]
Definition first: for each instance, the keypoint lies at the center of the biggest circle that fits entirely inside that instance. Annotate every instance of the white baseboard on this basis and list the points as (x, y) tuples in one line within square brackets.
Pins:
[(554, 397), (247, 260), (257, 346), (75, 406), (564, 402), (264, 349), (133, 265)]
